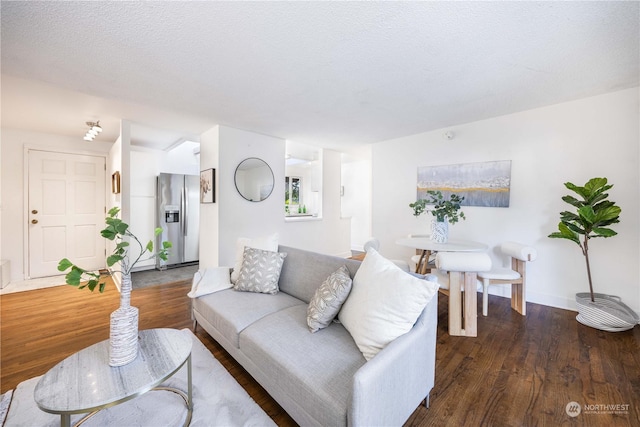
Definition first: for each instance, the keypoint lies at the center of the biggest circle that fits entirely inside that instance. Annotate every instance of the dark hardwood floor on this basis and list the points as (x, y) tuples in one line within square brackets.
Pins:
[(519, 371)]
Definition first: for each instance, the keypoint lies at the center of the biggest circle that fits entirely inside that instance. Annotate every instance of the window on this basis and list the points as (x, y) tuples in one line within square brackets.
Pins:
[(303, 182), (292, 190)]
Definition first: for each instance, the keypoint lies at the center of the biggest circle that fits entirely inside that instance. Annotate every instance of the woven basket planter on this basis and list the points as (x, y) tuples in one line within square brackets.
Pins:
[(607, 313)]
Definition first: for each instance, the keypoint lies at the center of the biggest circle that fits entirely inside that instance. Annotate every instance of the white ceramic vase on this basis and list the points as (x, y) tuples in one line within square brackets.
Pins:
[(439, 231), (123, 334)]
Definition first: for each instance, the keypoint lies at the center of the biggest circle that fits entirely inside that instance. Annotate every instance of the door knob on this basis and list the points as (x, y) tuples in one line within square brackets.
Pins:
[(34, 211), (34, 221)]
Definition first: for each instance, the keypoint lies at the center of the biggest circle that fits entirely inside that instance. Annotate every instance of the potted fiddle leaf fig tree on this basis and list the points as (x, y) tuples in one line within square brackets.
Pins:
[(591, 218), (123, 336), (444, 212)]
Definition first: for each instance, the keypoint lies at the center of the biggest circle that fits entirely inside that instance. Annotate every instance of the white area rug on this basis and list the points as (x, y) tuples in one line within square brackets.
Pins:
[(218, 401)]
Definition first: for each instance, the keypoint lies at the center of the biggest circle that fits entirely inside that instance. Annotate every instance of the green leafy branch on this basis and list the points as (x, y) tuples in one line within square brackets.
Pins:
[(118, 231), (449, 209)]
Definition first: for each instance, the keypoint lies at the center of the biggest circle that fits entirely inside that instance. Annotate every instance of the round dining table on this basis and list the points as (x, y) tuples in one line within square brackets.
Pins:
[(427, 246)]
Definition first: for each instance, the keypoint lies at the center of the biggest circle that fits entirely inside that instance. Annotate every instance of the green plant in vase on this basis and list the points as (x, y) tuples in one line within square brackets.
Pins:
[(444, 212), (123, 334)]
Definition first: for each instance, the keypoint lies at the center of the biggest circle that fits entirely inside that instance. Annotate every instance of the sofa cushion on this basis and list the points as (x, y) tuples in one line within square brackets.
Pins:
[(317, 369), (303, 271), (384, 303), (260, 271), (268, 243), (326, 303), (230, 312)]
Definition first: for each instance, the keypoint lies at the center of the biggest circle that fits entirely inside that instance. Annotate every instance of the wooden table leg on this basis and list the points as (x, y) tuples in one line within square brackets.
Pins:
[(455, 304), (463, 311), (419, 263), (470, 305), (423, 264)]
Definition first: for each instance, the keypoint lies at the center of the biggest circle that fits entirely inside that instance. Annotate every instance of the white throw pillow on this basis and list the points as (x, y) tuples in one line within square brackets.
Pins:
[(384, 303), (209, 280), (267, 243)]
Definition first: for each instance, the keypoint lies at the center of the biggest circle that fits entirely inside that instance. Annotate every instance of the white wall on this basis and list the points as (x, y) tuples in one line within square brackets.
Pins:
[(180, 160), (240, 217), (573, 141), (114, 164), (237, 217), (356, 201), (209, 212), (144, 171), (12, 180)]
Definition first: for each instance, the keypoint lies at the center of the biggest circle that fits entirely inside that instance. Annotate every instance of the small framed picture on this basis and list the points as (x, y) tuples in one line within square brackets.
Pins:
[(208, 186), (115, 183)]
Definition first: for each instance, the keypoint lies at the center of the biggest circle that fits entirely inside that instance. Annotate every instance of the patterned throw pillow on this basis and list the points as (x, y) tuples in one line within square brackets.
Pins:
[(268, 243), (326, 303), (260, 271)]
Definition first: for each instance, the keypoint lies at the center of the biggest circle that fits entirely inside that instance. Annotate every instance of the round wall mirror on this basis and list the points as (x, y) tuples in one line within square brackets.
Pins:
[(254, 179)]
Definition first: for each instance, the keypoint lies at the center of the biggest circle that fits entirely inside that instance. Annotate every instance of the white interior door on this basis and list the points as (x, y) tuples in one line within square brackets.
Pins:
[(66, 211)]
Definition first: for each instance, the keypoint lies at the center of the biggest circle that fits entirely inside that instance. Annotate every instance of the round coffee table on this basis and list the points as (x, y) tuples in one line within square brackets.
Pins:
[(85, 383)]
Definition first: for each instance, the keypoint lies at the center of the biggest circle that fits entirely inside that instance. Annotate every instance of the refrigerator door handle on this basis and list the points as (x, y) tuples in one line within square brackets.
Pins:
[(185, 210)]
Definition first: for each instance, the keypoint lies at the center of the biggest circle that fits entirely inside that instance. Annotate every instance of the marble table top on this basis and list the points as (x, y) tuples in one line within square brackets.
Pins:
[(84, 382)]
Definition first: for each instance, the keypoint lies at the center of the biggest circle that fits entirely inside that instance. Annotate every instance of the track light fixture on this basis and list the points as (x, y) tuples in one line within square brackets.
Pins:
[(94, 130)]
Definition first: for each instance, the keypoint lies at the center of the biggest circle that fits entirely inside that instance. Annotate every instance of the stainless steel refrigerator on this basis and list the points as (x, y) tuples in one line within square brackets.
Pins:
[(178, 203)]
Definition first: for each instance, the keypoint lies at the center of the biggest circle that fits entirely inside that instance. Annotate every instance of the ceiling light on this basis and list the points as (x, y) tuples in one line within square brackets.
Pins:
[(94, 130)]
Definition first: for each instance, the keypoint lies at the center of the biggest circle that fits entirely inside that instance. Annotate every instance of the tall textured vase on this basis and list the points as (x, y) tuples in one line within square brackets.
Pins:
[(439, 231), (123, 334)]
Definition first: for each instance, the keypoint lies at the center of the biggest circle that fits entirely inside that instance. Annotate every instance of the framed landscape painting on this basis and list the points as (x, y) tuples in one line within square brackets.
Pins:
[(482, 184)]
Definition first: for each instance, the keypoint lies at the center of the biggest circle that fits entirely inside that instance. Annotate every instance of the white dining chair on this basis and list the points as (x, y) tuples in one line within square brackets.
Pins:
[(457, 276), (516, 276)]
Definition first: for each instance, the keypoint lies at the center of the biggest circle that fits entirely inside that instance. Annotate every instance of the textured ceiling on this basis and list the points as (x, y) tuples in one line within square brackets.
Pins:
[(325, 73)]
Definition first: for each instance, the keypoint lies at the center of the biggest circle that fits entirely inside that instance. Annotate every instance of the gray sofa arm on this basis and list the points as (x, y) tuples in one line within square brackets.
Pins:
[(389, 387)]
